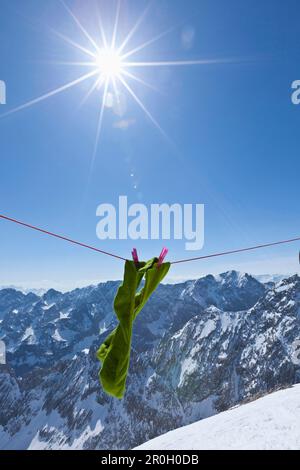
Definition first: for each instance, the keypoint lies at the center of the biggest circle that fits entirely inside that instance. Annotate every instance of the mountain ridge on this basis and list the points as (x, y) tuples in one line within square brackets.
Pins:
[(195, 353)]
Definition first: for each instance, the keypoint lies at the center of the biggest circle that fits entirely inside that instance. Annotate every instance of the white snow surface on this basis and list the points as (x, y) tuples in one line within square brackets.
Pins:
[(57, 336), (269, 423), (29, 336)]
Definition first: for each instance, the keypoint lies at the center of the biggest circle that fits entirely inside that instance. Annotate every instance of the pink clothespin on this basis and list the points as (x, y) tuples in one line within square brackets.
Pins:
[(135, 256), (162, 256)]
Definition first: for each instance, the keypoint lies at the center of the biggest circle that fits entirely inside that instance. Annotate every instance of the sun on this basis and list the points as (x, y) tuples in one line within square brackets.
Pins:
[(112, 67), (109, 63)]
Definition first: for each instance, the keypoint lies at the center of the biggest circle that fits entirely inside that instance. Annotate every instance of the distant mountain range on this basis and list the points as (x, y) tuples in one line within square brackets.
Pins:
[(42, 287), (199, 348)]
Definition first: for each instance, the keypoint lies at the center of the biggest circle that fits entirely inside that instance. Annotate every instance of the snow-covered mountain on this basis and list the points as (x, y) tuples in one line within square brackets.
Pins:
[(268, 423), (199, 348)]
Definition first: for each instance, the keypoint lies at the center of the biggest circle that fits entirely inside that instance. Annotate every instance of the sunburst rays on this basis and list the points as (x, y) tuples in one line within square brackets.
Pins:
[(111, 66)]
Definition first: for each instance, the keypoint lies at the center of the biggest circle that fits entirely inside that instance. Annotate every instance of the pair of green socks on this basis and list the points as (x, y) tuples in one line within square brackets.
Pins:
[(114, 353)]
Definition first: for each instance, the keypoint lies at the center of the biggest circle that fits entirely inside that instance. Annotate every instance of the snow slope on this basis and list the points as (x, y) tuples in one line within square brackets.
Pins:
[(269, 423)]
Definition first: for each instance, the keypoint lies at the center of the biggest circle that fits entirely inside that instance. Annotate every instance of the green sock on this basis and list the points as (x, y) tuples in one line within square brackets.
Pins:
[(114, 353)]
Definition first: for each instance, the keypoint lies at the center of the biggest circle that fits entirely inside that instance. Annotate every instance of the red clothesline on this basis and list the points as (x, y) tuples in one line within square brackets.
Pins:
[(61, 237), (240, 250), (89, 247)]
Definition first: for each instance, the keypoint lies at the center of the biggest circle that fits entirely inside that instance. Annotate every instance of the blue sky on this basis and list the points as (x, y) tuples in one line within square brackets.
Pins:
[(233, 128)]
